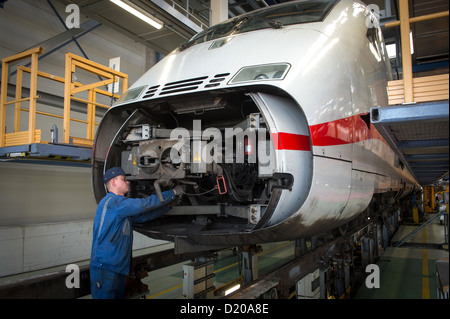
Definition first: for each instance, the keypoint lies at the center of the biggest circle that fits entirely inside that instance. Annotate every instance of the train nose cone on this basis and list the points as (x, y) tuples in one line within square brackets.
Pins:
[(293, 160)]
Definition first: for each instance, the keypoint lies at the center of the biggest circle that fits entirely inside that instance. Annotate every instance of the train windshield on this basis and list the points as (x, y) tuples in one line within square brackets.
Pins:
[(271, 17)]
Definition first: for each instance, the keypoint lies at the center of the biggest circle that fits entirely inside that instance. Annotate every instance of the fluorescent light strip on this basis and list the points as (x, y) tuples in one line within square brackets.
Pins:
[(138, 13), (232, 289)]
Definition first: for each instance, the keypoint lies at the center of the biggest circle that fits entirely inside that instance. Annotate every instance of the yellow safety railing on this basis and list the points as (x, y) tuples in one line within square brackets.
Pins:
[(30, 135), (411, 90), (71, 89), (428, 199)]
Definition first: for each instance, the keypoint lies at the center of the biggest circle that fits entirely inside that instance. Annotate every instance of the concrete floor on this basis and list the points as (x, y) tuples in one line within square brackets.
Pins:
[(409, 271)]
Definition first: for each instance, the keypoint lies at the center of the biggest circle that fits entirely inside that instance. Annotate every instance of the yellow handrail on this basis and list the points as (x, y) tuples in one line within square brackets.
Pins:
[(72, 63), (425, 17), (70, 89), (33, 53)]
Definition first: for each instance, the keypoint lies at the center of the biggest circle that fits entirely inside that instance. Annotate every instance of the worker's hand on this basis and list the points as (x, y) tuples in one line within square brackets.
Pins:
[(179, 190), (177, 201)]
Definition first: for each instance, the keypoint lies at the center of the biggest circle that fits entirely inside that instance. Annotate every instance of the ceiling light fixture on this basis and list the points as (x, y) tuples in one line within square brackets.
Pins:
[(136, 11)]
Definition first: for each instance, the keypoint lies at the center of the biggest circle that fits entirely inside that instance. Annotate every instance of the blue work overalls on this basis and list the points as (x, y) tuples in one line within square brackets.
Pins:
[(113, 239)]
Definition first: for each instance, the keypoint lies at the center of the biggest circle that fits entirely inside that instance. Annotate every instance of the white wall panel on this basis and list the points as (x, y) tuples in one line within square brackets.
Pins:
[(33, 193), (35, 247)]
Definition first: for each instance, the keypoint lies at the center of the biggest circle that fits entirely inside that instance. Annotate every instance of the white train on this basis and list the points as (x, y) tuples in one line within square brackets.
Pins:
[(265, 118)]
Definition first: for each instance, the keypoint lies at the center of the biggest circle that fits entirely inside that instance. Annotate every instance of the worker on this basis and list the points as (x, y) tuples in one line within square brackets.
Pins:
[(113, 233)]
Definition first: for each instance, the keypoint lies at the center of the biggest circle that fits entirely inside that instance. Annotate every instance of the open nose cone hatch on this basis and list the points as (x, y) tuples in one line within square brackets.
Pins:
[(244, 159)]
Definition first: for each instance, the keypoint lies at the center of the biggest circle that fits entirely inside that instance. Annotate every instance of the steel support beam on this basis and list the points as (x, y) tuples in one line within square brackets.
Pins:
[(55, 151), (289, 274), (219, 11), (167, 9), (431, 111), (433, 143), (396, 122)]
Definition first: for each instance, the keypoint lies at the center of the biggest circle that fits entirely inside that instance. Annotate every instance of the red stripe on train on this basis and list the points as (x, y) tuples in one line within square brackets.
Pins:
[(340, 132), (353, 129), (289, 141)]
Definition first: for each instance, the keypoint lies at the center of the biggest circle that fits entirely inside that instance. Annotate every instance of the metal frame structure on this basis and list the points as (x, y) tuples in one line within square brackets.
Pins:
[(28, 141), (416, 122), (70, 89), (30, 136), (331, 255), (411, 130)]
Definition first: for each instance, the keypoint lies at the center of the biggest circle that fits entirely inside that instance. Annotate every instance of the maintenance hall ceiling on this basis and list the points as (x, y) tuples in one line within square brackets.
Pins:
[(182, 19)]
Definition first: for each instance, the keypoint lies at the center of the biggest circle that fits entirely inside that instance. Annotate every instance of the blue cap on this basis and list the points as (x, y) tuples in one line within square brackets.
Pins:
[(113, 172)]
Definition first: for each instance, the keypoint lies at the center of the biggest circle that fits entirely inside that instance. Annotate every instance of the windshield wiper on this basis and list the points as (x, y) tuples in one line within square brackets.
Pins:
[(185, 45), (237, 23), (276, 24)]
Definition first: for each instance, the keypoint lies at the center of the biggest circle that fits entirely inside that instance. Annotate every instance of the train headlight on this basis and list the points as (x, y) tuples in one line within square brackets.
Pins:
[(131, 94), (264, 72), (261, 76)]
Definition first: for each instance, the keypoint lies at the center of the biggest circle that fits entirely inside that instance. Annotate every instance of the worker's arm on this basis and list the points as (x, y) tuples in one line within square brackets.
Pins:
[(128, 207), (150, 215)]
